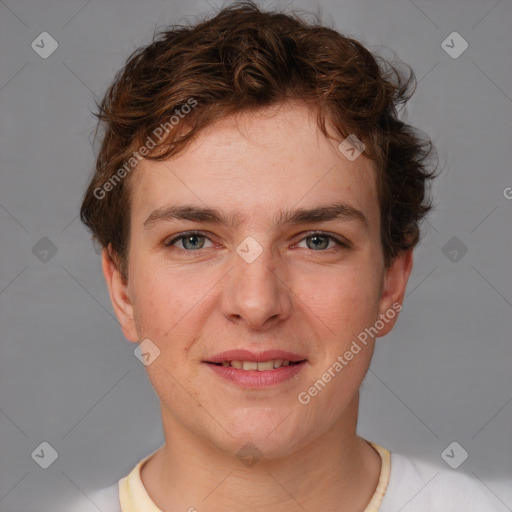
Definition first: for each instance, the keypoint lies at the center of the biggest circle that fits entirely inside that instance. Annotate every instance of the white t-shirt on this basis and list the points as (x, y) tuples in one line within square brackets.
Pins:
[(405, 485)]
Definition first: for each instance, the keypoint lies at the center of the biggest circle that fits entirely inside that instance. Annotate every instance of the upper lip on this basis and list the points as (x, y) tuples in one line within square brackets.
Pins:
[(247, 355)]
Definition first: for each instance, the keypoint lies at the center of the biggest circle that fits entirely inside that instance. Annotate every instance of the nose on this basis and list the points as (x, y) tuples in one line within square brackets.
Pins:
[(256, 294)]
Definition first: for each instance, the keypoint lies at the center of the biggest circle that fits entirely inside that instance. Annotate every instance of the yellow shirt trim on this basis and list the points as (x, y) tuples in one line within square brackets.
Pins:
[(134, 497)]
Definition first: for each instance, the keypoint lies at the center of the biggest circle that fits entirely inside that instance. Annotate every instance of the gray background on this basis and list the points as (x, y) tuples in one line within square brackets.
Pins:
[(68, 377)]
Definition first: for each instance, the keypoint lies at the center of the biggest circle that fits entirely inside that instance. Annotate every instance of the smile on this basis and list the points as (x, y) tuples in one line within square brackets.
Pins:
[(257, 375), (259, 366)]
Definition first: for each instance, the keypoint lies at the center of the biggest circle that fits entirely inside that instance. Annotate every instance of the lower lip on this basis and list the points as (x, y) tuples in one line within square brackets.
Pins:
[(255, 379)]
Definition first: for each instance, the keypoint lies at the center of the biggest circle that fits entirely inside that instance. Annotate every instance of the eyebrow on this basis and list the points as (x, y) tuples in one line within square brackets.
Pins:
[(324, 213)]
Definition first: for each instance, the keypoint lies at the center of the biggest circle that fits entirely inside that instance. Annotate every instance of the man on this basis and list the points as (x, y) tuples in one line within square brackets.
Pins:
[(258, 200)]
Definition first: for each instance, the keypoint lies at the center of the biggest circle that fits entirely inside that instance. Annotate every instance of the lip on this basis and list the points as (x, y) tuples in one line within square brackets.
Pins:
[(247, 355), (254, 379)]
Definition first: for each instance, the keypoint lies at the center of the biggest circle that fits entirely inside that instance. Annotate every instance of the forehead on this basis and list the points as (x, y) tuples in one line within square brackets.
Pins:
[(254, 164)]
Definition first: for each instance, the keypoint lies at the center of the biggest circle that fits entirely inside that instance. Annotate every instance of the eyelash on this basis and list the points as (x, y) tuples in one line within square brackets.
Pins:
[(338, 241)]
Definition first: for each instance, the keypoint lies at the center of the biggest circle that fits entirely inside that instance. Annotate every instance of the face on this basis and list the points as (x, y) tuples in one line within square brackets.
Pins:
[(286, 256)]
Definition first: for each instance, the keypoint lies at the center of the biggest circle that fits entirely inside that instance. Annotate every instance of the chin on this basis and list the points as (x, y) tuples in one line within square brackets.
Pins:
[(270, 437)]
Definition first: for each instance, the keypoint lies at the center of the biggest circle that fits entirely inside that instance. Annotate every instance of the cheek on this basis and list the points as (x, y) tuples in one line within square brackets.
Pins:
[(171, 306), (154, 288), (344, 302), (157, 309)]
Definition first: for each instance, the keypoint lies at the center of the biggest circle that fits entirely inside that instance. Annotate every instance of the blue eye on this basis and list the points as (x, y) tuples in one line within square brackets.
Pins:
[(191, 241), (320, 241)]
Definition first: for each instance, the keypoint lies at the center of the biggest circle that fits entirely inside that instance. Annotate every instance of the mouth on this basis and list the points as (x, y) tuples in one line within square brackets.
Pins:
[(260, 366), (255, 371), (245, 359)]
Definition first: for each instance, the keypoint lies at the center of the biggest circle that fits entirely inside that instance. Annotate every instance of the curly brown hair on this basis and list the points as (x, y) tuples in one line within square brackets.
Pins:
[(245, 58)]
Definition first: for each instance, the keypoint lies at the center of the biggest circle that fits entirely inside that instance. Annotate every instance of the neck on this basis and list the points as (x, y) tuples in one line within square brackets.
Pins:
[(336, 471)]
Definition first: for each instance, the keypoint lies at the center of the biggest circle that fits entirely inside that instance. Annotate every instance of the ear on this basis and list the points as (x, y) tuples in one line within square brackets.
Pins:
[(393, 291), (119, 295)]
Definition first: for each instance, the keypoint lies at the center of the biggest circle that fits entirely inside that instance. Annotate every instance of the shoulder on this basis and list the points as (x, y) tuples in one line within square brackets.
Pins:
[(418, 486), (106, 500)]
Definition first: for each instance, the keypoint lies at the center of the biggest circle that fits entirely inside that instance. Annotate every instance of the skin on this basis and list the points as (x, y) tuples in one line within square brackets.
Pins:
[(294, 296)]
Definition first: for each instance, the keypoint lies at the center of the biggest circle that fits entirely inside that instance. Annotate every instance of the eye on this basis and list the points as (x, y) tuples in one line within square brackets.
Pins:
[(190, 241), (319, 241)]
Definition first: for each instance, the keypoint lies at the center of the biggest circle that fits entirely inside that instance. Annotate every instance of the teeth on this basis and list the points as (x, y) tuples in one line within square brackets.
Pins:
[(266, 365), (259, 366)]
